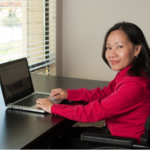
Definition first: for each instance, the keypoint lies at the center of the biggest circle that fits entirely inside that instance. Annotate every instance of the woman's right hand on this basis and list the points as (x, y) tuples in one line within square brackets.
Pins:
[(59, 94)]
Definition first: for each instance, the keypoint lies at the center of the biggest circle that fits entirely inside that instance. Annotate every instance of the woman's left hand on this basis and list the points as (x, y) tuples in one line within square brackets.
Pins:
[(44, 104)]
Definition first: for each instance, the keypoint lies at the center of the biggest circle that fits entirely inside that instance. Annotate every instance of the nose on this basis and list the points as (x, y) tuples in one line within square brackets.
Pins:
[(112, 53)]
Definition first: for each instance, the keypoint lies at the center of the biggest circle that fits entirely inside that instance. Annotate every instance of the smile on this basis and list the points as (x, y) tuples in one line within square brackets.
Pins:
[(114, 62)]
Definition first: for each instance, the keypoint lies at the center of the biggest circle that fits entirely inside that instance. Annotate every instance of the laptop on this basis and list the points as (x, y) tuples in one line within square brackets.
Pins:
[(17, 88)]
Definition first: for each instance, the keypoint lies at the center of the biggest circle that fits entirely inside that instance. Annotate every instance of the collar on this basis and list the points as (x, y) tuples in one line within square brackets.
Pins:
[(122, 74)]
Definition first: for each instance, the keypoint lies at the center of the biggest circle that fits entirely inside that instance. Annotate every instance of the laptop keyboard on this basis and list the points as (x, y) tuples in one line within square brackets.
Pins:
[(31, 100)]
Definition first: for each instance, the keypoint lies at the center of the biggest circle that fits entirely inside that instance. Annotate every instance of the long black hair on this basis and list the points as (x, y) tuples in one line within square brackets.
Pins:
[(136, 36)]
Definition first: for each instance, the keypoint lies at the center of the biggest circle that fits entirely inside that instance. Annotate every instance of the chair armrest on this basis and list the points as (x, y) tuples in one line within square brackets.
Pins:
[(107, 139)]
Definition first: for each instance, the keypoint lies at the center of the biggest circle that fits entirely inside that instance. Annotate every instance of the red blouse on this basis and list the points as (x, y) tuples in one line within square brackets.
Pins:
[(124, 104)]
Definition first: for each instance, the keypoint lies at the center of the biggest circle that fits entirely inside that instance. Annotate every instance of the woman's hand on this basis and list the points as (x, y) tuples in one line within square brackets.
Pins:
[(59, 94), (44, 104)]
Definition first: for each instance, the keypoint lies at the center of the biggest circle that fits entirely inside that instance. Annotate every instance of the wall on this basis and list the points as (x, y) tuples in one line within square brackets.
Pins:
[(84, 24)]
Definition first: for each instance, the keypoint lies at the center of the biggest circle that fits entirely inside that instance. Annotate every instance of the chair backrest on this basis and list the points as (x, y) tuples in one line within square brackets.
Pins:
[(146, 136)]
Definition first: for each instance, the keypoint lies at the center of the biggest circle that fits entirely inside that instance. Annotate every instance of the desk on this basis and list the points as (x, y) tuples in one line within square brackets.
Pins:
[(21, 129)]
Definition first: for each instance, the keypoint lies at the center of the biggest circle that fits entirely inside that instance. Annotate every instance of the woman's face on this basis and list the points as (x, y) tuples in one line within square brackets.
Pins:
[(120, 52)]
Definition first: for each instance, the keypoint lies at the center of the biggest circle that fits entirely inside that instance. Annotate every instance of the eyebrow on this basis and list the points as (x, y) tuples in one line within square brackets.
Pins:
[(119, 42), (116, 42)]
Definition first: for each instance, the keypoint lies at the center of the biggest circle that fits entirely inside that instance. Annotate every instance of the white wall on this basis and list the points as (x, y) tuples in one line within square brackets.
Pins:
[(84, 24)]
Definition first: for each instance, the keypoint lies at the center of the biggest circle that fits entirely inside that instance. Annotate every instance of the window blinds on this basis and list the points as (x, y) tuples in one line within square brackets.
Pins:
[(28, 29)]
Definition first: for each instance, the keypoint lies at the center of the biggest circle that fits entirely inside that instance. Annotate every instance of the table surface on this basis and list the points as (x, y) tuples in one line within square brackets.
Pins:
[(22, 129)]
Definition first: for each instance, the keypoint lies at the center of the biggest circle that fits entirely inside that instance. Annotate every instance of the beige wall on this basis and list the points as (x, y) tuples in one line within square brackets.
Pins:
[(84, 24)]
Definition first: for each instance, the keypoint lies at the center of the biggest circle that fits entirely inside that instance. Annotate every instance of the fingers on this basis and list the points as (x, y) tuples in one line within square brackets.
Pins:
[(38, 104), (58, 94), (44, 104), (40, 100), (55, 92), (57, 97)]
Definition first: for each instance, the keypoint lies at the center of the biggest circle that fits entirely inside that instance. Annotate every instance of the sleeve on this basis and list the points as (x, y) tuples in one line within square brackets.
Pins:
[(126, 98), (91, 95)]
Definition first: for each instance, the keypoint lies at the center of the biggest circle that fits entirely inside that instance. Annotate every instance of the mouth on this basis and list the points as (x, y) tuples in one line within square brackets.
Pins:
[(114, 62)]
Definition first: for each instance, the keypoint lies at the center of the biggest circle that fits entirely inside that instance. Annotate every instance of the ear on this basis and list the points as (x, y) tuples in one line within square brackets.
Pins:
[(138, 49)]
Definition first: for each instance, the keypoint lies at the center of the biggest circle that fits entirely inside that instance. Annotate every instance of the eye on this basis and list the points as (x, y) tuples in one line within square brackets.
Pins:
[(120, 46), (108, 48)]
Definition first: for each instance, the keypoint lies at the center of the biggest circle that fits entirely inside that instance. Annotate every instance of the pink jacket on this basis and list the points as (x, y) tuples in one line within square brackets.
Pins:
[(124, 104)]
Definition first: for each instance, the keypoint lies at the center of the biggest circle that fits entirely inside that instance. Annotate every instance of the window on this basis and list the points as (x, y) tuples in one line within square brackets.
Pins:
[(28, 29)]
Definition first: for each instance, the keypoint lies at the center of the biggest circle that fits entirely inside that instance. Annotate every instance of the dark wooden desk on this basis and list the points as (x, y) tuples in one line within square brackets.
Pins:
[(21, 129)]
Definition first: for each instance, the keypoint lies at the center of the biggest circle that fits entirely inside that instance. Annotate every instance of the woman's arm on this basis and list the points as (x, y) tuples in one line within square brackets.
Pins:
[(91, 95), (75, 95), (83, 94), (127, 97)]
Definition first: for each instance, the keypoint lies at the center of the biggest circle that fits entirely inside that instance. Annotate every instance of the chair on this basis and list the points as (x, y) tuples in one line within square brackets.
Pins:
[(119, 141)]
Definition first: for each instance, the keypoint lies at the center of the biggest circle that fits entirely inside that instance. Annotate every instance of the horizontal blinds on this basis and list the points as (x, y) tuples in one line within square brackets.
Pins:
[(28, 29)]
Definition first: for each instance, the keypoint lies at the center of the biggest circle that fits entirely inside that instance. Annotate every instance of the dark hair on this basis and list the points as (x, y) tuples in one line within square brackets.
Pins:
[(136, 36)]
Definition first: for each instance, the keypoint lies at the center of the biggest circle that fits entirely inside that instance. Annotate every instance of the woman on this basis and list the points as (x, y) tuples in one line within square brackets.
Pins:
[(125, 103)]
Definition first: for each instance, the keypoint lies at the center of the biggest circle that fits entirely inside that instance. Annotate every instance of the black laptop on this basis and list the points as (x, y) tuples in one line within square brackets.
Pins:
[(17, 87)]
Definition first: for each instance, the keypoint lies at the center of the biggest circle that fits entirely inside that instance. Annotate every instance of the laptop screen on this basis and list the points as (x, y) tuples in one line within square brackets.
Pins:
[(15, 80)]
